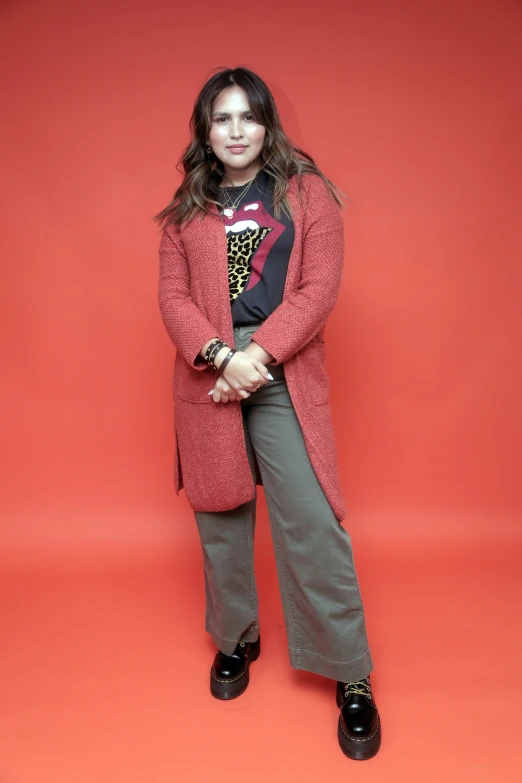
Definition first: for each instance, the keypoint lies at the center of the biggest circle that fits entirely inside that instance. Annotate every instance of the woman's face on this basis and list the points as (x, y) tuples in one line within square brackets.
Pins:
[(234, 126)]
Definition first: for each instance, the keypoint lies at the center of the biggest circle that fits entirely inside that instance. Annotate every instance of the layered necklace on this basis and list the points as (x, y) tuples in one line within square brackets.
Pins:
[(232, 205)]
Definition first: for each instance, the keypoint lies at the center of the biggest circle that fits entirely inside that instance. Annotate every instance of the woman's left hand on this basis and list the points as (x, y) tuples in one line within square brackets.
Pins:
[(223, 392)]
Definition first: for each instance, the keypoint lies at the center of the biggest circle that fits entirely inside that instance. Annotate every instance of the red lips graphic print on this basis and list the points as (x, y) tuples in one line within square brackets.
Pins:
[(251, 233)]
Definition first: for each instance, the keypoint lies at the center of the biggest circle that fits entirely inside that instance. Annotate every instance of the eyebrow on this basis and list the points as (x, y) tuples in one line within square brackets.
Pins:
[(227, 113)]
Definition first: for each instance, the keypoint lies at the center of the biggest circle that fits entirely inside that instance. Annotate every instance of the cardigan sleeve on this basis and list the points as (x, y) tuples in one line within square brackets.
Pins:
[(186, 325), (305, 311)]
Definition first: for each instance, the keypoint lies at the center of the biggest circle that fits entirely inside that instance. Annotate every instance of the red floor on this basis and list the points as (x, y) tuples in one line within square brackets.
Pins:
[(104, 674)]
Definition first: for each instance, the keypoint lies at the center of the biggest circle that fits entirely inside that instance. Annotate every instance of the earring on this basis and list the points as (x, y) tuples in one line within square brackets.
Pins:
[(208, 148)]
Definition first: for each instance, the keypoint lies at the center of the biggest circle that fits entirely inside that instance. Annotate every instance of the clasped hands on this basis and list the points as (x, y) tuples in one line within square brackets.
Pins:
[(244, 374)]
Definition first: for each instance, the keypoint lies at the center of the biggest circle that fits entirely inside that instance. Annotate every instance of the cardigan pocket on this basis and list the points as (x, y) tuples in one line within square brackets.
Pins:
[(194, 385), (313, 370)]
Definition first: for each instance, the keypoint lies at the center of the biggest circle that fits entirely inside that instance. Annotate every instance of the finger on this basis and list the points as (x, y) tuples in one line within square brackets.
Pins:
[(262, 370), (258, 382)]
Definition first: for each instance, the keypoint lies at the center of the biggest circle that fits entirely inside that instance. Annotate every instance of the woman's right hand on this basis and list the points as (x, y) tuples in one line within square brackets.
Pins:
[(244, 372)]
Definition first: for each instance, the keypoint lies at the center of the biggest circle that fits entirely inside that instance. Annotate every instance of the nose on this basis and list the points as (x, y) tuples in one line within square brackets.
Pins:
[(235, 129)]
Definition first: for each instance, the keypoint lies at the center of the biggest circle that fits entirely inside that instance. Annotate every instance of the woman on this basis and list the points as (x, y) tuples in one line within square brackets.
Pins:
[(251, 259)]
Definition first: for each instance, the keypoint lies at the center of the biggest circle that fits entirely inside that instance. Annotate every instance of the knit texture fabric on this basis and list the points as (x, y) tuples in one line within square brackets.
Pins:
[(211, 461)]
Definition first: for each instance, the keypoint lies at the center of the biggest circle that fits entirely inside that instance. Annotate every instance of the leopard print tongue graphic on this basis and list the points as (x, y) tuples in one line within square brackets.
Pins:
[(241, 248), (251, 233)]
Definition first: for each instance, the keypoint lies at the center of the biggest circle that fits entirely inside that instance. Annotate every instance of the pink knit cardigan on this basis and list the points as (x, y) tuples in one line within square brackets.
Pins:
[(211, 461)]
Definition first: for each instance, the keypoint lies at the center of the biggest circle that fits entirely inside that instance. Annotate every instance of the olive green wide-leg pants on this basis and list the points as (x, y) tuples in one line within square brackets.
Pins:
[(323, 611)]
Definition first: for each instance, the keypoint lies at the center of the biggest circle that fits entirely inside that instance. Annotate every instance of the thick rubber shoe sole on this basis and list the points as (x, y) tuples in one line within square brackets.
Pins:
[(231, 689), (359, 749)]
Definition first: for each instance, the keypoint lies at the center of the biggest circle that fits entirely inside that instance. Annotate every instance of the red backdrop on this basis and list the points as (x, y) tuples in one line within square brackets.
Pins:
[(414, 110), (415, 117)]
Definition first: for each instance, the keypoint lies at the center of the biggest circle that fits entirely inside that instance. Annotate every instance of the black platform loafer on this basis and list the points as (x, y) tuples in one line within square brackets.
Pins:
[(359, 730), (229, 673)]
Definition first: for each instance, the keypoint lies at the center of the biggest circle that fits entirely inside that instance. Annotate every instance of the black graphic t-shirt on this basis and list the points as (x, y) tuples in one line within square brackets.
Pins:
[(259, 248)]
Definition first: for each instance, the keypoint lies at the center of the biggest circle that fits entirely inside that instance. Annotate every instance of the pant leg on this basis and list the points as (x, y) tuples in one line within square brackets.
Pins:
[(227, 542), (324, 614)]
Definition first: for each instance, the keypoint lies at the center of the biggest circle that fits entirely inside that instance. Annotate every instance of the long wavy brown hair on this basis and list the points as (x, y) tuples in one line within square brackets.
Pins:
[(202, 171)]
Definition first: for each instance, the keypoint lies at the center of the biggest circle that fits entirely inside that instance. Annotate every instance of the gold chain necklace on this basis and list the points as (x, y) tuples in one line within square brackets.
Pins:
[(229, 210)]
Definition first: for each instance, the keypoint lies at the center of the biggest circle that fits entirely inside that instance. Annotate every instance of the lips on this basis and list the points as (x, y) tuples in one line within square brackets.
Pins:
[(238, 148), (254, 216)]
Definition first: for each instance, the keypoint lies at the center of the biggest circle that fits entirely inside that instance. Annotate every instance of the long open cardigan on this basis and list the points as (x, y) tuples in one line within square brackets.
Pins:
[(211, 461)]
